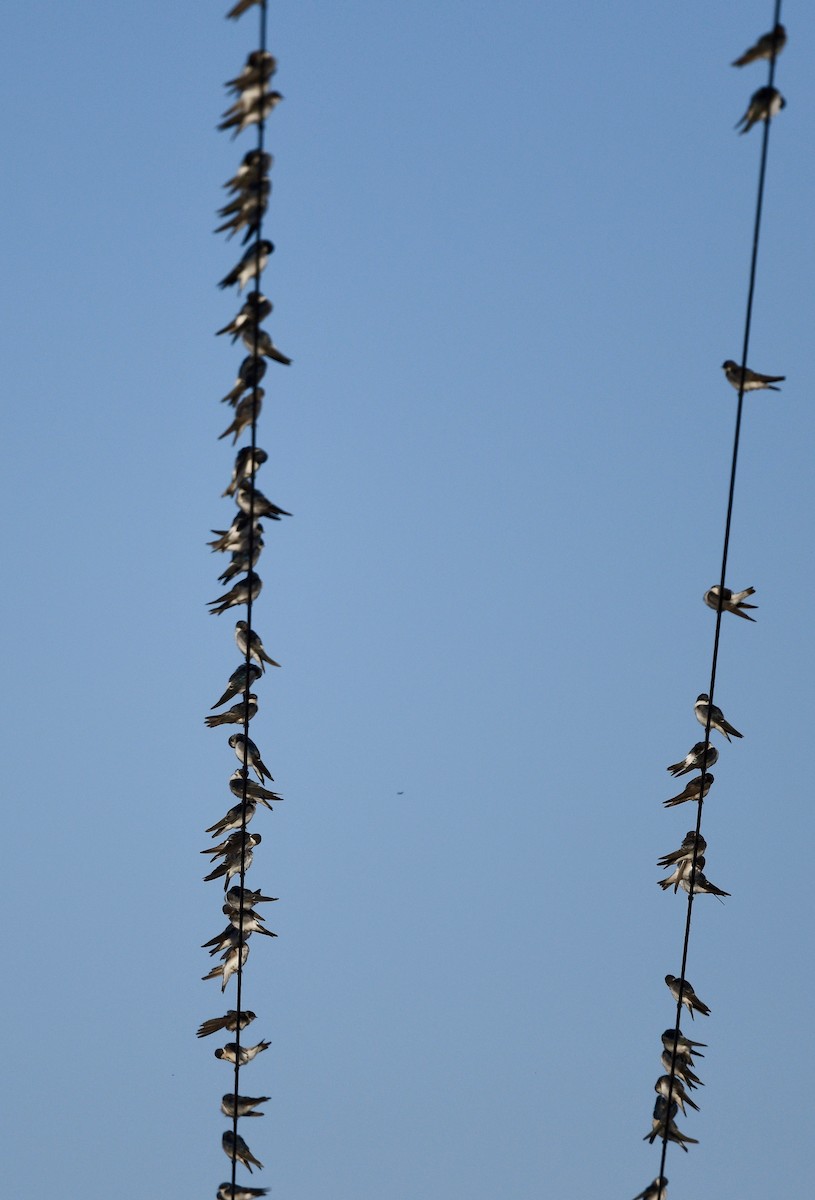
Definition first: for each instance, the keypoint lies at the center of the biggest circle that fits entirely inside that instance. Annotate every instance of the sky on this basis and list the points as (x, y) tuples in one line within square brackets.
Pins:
[(512, 246)]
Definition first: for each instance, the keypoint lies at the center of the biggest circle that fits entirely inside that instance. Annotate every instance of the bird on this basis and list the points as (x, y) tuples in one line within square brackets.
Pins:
[(717, 721), (769, 45), (252, 106), (240, 593), (239, 1191), (767, 102), (260, 65), (753, 381), (701, 883), (681, 1070), (240, 786), (664, 1084), (692, 843), (248, 216), (695, 759), (234, 958), (246, 638), (250, 373), (236, 715), (235, 1147), (247, 462), (250, 266), (231, 846), (241, 7), (246, 751), (237, 817), (240, 679), (235, 895), (255, 164), (693, 791), (232, 1021), (233, 864), (250, 500), (689, 997), (236, 537), (258, 341), (243, 1105), (250, 922), (230, 939), (256, 308), (242, 561), (247, 411), (682, 872), (655, 1191), (662, 1124), (244, 1055), (733, 602), (685, 1047)]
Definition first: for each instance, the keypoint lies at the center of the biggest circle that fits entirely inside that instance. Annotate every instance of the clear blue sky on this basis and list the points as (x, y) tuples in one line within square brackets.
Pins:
[(512, 251)]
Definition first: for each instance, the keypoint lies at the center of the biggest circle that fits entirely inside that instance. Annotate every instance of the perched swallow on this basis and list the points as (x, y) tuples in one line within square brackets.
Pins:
[(230, 939), (691, 843), (241, 678), (701, 883), (231, 847), (693, 791), (231, 866), (240, 594), (247, 462), (235, 818), (753, 381), (244, 1105), (248, 410), (658, 1190), (252, 922), (686, 1049), (250, 266), (236, 1147), (717, 720), (689, 998), (245, 637), (254, 105), (260, 65), (682, 873), (662, 1125), (248, 218), (230, 1052), (695, 760), (245, 749), (241, 561), (231, 1021), (732, 602), (239, 1191), (255, 164), (236, 715), (258, 341), (681, 1069), (249, 499), (239, 786), (250, 373), (767, 102), (235, 895), (678, 1093), (769, 45), (232, 958), (256, 308), (236, 537)]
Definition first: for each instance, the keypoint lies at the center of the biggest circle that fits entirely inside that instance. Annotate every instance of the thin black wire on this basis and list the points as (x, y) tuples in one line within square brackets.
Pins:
[(716, 637), (248, 655)]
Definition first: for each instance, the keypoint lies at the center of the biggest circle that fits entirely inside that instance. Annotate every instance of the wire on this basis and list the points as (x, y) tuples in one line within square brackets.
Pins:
[(716, 637)]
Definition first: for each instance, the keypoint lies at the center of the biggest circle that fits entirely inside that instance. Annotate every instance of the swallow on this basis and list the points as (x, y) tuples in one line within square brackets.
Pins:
[(693, 791), (239, 786), (255, 191), (247, 462), (682, 873), (242, 1105), (252, 922), (240, 679), (237, 536), (231, 867), (246, 750), (260, 65), (663, 1086), (258, 341), (255, 164), (689, 998), (769, 45), (234, 958), (241, 561), (701, 883), (231, 846), (249, 499), (238, 816), (663, 1126), (252, 106), (250, 373), (695, 760), (249, 898), (235, 1147), (753, 381), (222, 943), (717, 720), (236, 715), (732, 602), (241, 7), (246, 638), (247, 411), (691, 843), (239, 1191), (256, 308), (247, 217), (681, 1070), (686, 1049), (767, 102), (240, 593), (231, 1021), (655, 1191), (250, 266), (231, 1053)]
